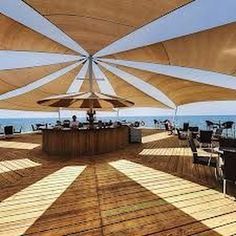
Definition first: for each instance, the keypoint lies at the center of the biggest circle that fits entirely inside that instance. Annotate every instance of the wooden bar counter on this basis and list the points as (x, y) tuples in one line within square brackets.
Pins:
[(78, 142)]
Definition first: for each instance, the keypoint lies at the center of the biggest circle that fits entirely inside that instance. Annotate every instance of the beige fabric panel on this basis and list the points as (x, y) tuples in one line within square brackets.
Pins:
[(15, 36), (127, 91), (15, 105), (212, 50), (15, 78), (28, 101), (153, 54), (62, 84), (183, 91), (103, 21), (92, 34), (86, 87)]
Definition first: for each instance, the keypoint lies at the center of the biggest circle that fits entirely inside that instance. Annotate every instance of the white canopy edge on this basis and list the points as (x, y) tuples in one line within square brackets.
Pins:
[(45, 80), (184, 73), (78, 81), (104, 84), (22, 59), (189, 19), (24, 14), (141, 85)]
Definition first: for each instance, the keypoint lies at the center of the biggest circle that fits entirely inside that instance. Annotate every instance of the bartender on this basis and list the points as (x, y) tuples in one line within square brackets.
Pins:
[(74, 123)]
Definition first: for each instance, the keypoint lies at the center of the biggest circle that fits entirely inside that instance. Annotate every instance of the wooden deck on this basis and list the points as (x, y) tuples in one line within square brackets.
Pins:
[(147, 189)]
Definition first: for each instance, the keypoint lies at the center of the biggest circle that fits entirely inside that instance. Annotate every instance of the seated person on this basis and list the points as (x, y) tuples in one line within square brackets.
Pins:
[(110, 123), (74, 123), (100, 124), (169, 127)]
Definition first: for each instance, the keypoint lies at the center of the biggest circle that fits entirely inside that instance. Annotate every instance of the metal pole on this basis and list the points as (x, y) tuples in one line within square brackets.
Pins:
[(90, 58), (59, 114), (118, 111), (174, 120), (91, 73)]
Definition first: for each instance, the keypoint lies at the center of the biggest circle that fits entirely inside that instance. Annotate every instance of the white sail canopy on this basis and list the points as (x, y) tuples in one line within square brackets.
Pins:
[(155, 53)]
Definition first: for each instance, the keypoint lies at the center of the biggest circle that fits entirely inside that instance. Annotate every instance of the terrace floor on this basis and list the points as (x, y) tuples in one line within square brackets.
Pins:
[(147, 189)]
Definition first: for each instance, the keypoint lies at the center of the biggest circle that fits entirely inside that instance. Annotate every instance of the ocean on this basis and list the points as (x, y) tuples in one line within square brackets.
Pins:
[(25, 123)]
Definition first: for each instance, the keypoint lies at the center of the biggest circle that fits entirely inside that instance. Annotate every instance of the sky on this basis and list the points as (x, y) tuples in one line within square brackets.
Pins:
[(201, 108)]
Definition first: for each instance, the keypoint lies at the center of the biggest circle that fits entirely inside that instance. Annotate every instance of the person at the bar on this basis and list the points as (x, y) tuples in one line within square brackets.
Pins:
[(74, 123)]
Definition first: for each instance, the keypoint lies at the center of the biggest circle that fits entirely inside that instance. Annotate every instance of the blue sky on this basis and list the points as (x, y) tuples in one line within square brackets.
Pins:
[(202, 108)]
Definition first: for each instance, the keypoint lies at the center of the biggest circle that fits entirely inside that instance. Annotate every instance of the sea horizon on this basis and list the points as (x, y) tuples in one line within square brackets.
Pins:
[(25, 124)]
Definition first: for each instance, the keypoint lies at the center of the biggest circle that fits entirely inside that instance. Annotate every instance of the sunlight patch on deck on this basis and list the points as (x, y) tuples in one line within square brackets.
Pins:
[(206, 206), (12, 165), (21, 210), (155, 137), (181, 151), (18, 145)]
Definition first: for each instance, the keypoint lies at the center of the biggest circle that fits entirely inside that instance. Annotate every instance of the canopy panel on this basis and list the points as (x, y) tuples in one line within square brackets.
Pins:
[(183, 91), (212, 50), (15, 36), (12, 79), (28, 101), (106, 21), (131, 93)]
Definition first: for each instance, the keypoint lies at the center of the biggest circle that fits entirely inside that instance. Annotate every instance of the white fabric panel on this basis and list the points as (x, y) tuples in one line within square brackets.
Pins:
[(21, 59), (21, 12), (77, 83), (185, 73), (45, 80), (141, 85), (104, 85), (194, 17)]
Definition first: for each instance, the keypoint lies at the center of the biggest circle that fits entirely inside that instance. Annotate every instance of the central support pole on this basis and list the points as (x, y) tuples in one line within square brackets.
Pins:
[(90, 58), (90, 113)]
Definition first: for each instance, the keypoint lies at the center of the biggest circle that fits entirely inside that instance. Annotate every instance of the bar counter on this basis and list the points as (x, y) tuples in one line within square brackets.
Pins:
[(77, 142)]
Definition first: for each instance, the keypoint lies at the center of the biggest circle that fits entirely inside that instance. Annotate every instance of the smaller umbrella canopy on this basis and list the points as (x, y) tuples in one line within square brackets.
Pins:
[(84, 100)]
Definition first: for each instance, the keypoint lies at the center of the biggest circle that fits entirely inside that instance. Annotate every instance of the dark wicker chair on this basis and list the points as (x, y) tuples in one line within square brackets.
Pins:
[(229, 167), (209, 124), (227, 142), (194, 131), (182, 137), (66, 124), (8, 131), (185, 127), (203, 160), (205, 137), (228, 125)]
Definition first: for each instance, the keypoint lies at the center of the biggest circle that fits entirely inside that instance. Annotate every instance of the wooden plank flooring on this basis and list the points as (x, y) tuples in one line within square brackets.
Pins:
[(146, 189)]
